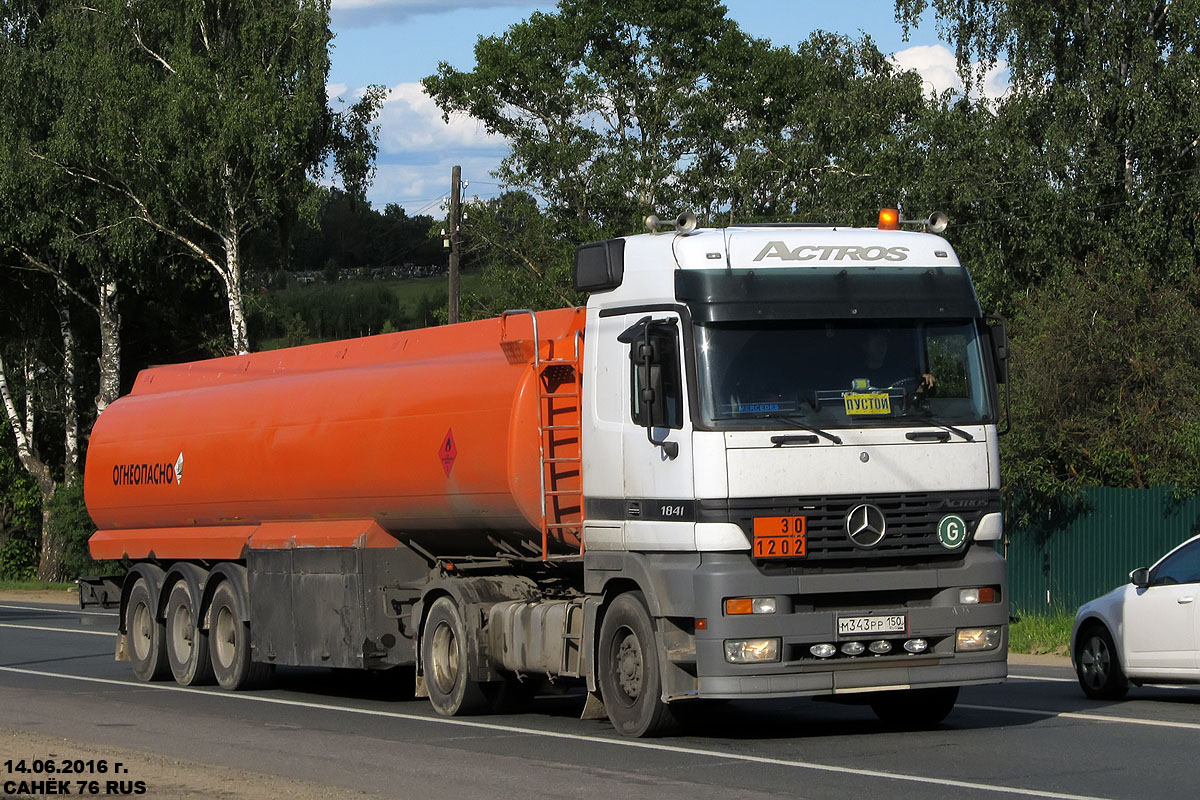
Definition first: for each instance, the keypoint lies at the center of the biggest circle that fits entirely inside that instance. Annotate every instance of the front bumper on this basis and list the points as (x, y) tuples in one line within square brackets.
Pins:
[(809, 606)]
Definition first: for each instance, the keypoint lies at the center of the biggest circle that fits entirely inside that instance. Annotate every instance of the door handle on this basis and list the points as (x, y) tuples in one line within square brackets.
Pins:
[(1184, 600)]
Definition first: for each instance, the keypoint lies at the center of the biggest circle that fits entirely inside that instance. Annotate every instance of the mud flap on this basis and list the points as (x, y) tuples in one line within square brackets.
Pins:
[(594, 707), (122, 652)]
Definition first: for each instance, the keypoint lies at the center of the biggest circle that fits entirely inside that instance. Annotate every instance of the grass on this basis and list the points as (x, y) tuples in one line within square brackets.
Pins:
[(1041, 633), (43, 586)]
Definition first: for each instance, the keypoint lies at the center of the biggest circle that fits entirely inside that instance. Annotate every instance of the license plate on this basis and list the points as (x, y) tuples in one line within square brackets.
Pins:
[(780, 537), (859, 404), (871, 626)]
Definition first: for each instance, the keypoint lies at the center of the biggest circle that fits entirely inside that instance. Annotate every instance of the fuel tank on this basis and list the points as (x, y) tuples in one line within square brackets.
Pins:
[(433, 431)]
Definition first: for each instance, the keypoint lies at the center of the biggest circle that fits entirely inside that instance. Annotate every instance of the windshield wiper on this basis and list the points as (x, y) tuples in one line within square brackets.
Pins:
[(804, 427), (929, 418)]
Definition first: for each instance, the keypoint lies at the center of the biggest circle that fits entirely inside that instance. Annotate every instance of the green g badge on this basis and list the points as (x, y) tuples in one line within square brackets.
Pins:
[(952, 532)]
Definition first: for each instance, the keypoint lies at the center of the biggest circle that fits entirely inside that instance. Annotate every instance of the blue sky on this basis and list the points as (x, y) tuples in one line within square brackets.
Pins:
[(395, 43)]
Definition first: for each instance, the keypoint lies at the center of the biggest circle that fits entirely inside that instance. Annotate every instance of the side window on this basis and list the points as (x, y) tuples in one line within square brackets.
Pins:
[(662, 377), (1182, 567)]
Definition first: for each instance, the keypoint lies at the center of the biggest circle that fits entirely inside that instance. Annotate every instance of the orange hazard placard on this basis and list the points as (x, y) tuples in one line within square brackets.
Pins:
[(780, 537), (448, 452)]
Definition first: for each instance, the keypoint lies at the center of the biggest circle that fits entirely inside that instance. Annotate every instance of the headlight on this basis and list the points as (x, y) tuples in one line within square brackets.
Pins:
[(746, 651), (972, 639)]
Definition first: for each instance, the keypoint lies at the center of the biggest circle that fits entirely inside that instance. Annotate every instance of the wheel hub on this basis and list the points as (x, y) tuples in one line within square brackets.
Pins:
[(225, 645), (1095, 661), (629, 666), (141, 631), (445, 658)]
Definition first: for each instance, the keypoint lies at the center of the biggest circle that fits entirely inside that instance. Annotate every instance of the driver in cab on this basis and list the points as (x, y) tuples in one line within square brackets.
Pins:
[(891, 372)]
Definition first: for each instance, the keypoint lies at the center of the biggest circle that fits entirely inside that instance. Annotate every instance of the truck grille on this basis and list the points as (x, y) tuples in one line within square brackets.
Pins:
[(912, 523)]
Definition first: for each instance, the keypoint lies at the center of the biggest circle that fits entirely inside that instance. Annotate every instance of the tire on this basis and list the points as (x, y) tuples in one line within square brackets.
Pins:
[(628, 671), (186, 643), (229, 643), (444, 660), (1098, 665), (915, 709), (146, 636)]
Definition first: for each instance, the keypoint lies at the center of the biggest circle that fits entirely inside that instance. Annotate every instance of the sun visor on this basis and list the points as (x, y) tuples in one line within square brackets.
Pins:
[(729, 295)]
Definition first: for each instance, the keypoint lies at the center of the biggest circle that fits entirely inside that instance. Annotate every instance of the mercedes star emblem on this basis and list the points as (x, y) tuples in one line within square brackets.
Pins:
[(866, 525)]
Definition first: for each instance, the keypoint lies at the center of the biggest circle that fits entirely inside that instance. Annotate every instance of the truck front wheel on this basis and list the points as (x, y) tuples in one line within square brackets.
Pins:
[(147, 635), (628, 672), (444, 660)]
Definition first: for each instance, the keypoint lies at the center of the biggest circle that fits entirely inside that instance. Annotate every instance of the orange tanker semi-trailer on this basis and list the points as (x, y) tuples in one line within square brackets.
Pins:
[(312, 485)]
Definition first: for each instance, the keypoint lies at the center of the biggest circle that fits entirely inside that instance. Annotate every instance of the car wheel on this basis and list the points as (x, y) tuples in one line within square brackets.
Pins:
[(1098, 666)]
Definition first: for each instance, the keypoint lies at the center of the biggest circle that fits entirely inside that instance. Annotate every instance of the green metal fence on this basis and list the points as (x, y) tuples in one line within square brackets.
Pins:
[(1075, 553)]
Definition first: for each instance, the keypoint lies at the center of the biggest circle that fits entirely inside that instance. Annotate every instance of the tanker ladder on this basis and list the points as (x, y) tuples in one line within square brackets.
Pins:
[(560, 458)]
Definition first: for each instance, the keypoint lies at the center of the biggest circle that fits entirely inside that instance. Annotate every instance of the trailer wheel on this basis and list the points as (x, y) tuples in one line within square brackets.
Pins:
[(147, 636), (915, 708), (628, 671), (187, 644), (229, 643), (444, 660)]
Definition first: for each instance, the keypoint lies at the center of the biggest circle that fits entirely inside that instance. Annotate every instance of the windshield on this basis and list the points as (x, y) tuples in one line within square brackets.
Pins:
[(841, 374)]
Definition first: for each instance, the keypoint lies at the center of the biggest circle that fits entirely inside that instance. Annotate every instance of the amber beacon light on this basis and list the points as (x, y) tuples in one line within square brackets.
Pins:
[(889, 219)]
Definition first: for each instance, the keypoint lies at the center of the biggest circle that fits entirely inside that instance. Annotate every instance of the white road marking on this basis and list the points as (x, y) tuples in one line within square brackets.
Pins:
[(62, 610), (1035, 712), (59, 630), (631, 743), (1041, 678)]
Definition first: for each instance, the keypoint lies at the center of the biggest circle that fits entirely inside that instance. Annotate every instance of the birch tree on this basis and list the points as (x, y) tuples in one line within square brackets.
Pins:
[(206, 119), (27, 388)]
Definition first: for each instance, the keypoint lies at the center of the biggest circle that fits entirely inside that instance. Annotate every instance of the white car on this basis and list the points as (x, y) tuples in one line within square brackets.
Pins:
[(1147, 631)]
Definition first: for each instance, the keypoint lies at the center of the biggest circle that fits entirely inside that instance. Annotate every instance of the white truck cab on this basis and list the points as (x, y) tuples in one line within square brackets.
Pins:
[(790, 448)]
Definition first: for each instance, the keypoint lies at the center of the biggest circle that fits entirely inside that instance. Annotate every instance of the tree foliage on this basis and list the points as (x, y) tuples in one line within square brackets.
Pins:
[(1097, 174)]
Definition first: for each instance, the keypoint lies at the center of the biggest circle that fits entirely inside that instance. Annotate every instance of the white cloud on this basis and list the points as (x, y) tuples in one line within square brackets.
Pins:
[(411, 122), (366, 13), (425, 188), (936, 65), (417, 149)]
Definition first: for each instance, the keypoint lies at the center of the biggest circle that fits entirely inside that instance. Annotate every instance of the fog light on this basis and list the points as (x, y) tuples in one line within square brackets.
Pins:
[(916, 645), (751, 650), (971, 597), (822, 650), (853, 648), (880, 647), (971, 639), (750, 605)]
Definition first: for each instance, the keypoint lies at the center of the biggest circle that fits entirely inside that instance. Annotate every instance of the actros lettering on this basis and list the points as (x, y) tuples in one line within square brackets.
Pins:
[(140, 474), (810, 252)]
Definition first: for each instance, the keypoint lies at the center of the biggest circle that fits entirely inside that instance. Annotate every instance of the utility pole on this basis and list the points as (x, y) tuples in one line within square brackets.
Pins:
[(452, 224)]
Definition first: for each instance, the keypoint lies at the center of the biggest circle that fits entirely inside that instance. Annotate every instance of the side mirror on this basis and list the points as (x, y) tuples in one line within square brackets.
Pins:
[(647, 358), (997, 329), (1140, 577)]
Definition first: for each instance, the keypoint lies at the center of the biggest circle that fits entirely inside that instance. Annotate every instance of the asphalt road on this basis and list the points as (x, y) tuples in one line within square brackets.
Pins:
[(1035, 736)]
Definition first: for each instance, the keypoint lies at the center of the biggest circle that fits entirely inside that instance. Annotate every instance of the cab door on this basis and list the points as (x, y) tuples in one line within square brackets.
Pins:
[(660, 496)]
